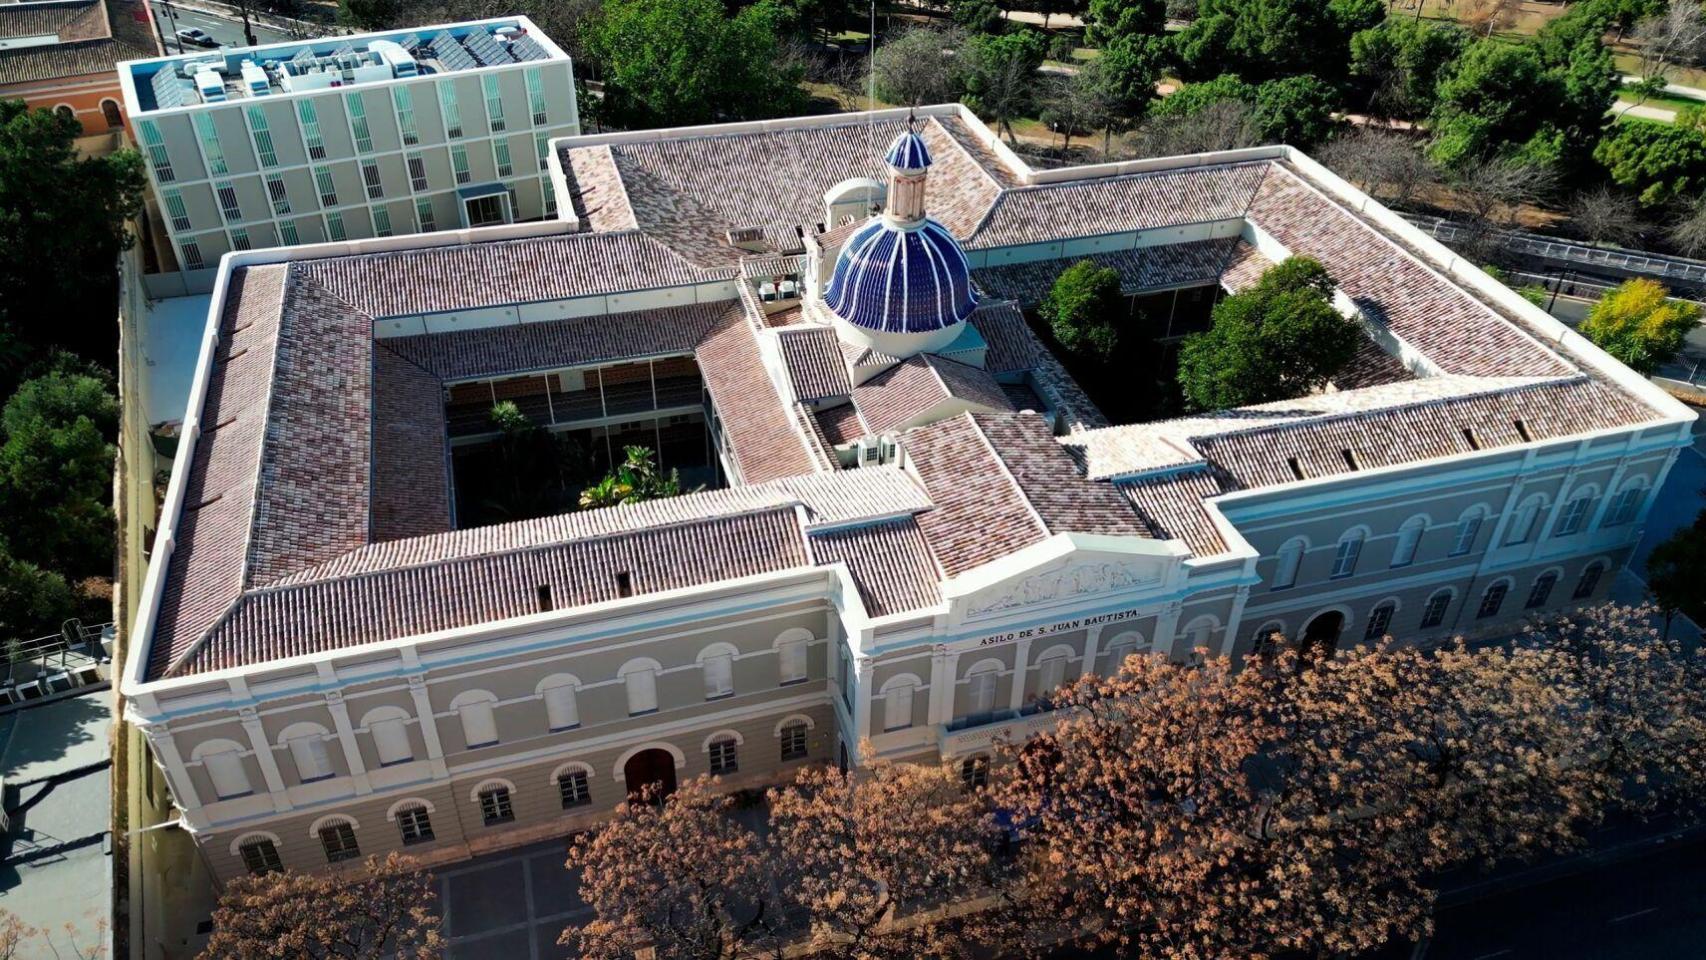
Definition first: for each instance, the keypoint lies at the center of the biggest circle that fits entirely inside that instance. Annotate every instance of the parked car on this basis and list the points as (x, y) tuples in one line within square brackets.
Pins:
[(197, 37)]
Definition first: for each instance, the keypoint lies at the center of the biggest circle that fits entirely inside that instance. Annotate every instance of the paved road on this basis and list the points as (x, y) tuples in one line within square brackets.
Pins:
[(229, 33)]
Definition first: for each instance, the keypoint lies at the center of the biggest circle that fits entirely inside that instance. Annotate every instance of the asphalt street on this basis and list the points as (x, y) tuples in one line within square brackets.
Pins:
[(229, 33)]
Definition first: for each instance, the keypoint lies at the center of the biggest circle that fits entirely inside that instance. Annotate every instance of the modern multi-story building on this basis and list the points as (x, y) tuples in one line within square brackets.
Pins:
[(918, 522), (60, 55), (346, 138)]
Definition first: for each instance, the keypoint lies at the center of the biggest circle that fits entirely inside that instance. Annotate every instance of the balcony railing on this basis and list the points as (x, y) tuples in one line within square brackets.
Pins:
[(68, 659), (548, 408)]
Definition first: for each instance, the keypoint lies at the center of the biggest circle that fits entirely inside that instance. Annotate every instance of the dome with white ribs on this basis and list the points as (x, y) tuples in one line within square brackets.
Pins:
[(901, 278)]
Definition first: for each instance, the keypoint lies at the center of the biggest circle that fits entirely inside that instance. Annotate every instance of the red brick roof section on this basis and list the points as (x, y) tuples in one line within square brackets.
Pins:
[(980, 514), (890, 562), (411, 450), (1139, 201), (1172, 504), (816, 367), (763, 438), (1051, 481), (917, 384)]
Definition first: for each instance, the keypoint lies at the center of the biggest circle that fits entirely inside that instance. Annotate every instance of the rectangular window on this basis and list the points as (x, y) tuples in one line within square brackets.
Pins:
[(1492, 600), (405, 103), (192, 255), (381, 222), (494, 102), (370, 176), (311, 138), (642, 687), (263, 137), (328, 189), (500, 153), (335, 226), (228, 201), (210, 148), (459, 163), (415, 824), (338, 840), (536, 95), (287, 233), (175, 208), (239, 239), (1575, 516), (391, 740), (1434, 613), (495, 806), (724, 756), (157, 155), (260, 857), (542, 144), (424, 216), (358, 122), (794, 741), (574, 789), (550, 198), (279, 196), (417, 172), (719, 676), (452, 112)]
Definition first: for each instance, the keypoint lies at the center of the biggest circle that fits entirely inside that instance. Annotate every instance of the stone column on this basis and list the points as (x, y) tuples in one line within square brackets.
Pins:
[(346, 737), (165, 750), (263, 756), (429, 725), (1021, 660)]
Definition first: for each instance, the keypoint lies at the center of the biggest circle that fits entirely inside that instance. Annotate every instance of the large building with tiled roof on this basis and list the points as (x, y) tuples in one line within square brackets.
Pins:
[(62, 55), (910, 521)]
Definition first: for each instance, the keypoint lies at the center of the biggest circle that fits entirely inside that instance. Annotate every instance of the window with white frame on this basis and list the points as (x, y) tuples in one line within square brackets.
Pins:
[(414, 824), (1198, 633), (381, 222), (310, 118), (192, 255), (641, 683), (1409, 540), (719, 670), (725, 757), (897, 703), (228, 206), (1266, 640), (357, 108), (338, 840), (335, 226), (574, 789), (1589, 581), (459, 163), (1434, 613), (287, 234), (307, 744), (424, 215), (535, 95), (793, 740), (980, 691), (405, 103), (1626, 505), (1287, 562), (157, 154), (417, 171), (494, 102), (328, 189), (1575, 514), (1522, 525), (500, 156), (277, 193), (239, 238), (1379, 620), (1492, 600), (389, 727), (495, 805), (791, 658), (224, 766), (260, 856), (562, 709), (451, 109), (1345, 557), (1541, 591), (175, 208), (1051, 672), (974, 772), (1120, 648), (262, 136), (1468, 529), (370, 177), (210, 147), (479, 724), (542, 147)]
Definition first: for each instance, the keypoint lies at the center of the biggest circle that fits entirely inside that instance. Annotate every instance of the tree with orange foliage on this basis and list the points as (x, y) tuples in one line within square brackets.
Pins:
[(385, 911), (682, 877)]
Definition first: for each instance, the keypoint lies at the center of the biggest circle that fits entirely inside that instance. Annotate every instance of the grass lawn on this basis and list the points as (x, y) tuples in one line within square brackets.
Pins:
[(1663, 100)]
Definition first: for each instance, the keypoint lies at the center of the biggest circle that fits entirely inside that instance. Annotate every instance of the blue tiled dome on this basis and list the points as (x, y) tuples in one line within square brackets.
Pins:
[(901, 279), (907, 152)]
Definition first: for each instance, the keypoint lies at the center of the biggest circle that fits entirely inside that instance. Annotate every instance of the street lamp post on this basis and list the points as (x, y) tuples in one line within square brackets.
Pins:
[(172, 17)]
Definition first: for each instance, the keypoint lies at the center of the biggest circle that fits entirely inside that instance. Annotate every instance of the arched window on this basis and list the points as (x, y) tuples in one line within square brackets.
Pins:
[(307, 745), (791, 648), (114, 117), (1409, 539), (1627, 503), (640, 678), (1199, 631), (389, 727), (496, 802), (223, 761), (724, 751), (65, 111), (1493, 599), (1434, 613), (260, 854), (1589, 581), (414, 821), (1380, 620), (1541, 591), (337, 838), (1576, 512), (1288, 560), (1122, 647), (562, 710), (980, 690), (574, 785), (1266, 640), (479, 725), (1051, 670), (974, 772), (1349, 550), (897, 702), (1522, 525), (1468, 529), (793, 740), (718, 663)]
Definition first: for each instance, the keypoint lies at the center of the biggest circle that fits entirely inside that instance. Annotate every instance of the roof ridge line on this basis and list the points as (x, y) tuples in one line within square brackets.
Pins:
[(1001, 465)]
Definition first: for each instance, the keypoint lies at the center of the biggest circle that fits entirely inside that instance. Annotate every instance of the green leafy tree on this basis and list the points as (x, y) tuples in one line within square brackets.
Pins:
[(33, 601), (1125, 76), (535, 473), (1399, 62), (680, 62), (1639, 325), (370, 14), (1280, 339), (62, 224), (56, 470), (1499, 98), (1271, 39), (1109, 20), (1001, 80), (1674, 572), (1083, 308), (977, 16), (636, 479), (1657, 161), (1295, 110)]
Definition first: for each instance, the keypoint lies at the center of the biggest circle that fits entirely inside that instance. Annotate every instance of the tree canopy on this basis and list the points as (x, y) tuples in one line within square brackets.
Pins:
[(1001, 73), (1273, 39), (56, 470), (1279, 339), (1082, 309), (635, 479), (1639, 325), (384, 911), (1399, 62), (1296, 110), (1674, 571), (681, 62), (1659, 162)]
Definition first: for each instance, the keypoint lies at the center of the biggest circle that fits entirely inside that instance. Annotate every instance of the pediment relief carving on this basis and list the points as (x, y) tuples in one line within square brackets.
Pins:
[(1066, 582)]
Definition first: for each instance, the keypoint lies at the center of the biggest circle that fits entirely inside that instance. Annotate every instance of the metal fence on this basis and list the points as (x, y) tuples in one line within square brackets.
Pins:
[(71, 658), (1584, 256)]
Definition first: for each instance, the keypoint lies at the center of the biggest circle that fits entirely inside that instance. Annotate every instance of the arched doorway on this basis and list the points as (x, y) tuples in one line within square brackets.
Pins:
[(649, 767), (1321, 636)]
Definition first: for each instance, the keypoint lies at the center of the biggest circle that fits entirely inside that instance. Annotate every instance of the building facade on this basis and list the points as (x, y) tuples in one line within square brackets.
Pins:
[(373, 135), (916, 523)]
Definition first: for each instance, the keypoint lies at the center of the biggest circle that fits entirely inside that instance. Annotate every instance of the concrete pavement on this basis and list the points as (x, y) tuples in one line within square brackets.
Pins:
[(229, 32)]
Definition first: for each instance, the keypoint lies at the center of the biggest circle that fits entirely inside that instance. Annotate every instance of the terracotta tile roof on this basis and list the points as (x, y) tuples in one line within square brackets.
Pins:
[(1049, 478), (40, 19), (1196, 263), (1370, 367), (774, 265), (553, 344), (841, 424), (993, 165), (980, 514), (763, 439), (920, 384), (411, 450), (890, 563), (323, 615), (816, 368), (94, 38), (1244, 267), (501, 273), (1014, 347), (1139, 201), (1171, 504), (817, 442), (599, 199)]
